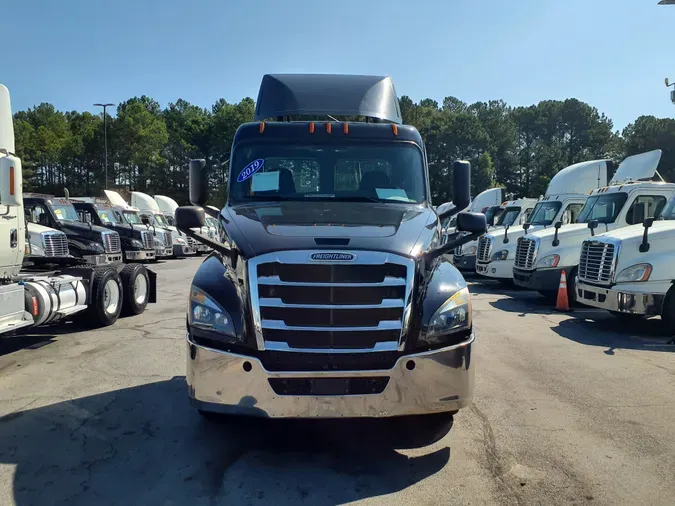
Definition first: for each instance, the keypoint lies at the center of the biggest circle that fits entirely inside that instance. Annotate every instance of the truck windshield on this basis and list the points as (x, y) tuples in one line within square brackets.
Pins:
[(170, 220), (545, 212), (349, 171), (133, 218), (668, 212), (604, 208), (64, 212), (107, 216), (159, 220), (508, 217)]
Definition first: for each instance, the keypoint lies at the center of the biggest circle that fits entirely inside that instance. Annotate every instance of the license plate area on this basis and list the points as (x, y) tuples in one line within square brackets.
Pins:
[(329, 386), (481, 268)]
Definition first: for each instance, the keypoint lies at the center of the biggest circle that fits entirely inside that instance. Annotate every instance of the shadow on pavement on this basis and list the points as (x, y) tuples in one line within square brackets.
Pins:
[(146, 445), (612, 333), (36, 337)]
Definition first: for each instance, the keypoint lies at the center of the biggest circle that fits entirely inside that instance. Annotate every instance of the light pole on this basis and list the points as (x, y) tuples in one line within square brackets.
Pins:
[(105, 138)]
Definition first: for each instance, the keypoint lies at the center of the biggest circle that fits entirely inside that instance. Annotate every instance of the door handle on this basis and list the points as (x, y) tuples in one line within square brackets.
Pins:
[(13, 238)]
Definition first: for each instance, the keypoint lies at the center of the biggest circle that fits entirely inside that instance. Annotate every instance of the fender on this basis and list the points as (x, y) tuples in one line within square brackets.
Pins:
[(82, 245), (219, 281)]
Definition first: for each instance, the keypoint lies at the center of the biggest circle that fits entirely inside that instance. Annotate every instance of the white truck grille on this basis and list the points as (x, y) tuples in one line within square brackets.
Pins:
[(55, 244), (147, 239), (525, 253), (596, 263), (355, 302), (191, 242), (484, 249), (168, 239), (111, 242)]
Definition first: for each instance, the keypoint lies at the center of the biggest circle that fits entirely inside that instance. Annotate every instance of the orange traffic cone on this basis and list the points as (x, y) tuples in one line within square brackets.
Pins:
[(562, 304)]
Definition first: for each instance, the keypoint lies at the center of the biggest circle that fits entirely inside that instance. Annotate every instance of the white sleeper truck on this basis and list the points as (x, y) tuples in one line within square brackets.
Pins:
[(153, 215), (632, 196), (630, 272), (516, 212), (53, 286), (168, 206), (565, 196)]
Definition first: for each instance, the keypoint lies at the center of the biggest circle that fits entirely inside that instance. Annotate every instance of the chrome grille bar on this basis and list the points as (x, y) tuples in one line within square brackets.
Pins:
[(55, 244), (597, 261), (286, 317), (484, 248), (526, 253)]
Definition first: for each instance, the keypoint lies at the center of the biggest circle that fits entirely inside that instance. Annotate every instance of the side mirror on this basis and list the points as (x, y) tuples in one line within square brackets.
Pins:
[(188, 217), (526, 226), (474, 223), (558, 224), (461, 190), (461, 184), (592, 225), (647, 223), (11, 186), (199, 186)]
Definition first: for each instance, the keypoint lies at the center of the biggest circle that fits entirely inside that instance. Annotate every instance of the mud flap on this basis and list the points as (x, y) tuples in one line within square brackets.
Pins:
[(152, 295)]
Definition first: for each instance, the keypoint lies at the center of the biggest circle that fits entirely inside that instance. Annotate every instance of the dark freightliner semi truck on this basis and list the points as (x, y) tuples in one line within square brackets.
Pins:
[(328, 293)]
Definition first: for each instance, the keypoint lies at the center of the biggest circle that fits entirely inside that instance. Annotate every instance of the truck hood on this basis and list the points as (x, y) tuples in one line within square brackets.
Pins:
[(515, 233), (76, 227), (34, 228), (580, 230), (663, 229), (405, 229)]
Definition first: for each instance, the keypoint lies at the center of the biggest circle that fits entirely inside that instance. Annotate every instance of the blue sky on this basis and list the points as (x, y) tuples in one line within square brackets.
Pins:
[(612, 54)]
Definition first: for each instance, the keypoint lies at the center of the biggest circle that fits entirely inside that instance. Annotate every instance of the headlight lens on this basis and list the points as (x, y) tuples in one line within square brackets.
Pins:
[(471, 250), (181, 241), (501, 255), (638, 272), (549, 261), (136, 244), (96, 248), (454, 315), (158, 243), (205, 313)]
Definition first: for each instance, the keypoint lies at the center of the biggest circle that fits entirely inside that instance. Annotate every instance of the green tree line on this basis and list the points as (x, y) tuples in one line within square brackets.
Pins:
[(149, 147)]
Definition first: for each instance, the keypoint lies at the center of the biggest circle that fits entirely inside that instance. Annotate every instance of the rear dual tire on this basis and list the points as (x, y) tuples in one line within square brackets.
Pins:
[(136, 282)]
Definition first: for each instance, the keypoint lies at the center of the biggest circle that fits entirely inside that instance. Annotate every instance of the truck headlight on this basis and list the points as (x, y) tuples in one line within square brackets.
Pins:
[(181, 241), (637, 272), (453, 316), (501, 255), (471, 250), (207, 314), (548, 261), (36, 250), (158, 243), (136, 244), (95, 247)]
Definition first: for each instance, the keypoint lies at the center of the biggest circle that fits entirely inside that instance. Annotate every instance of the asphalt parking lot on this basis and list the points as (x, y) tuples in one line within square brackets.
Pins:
[(569, 409)]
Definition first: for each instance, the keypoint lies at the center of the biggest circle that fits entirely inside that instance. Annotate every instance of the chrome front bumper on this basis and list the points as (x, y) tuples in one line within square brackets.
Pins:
[(430, 382), (104, 259), (649, 304), (140, 255)]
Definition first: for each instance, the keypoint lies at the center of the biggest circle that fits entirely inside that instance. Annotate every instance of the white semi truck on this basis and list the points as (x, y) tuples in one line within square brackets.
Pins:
[(168, 206), (565, 196), (630, 272), (49, 289), (632, 197), (516, 212), (153, 216), (132, 215)]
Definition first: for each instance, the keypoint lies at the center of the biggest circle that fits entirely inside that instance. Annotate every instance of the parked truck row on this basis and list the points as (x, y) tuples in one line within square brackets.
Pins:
[(614, 240)]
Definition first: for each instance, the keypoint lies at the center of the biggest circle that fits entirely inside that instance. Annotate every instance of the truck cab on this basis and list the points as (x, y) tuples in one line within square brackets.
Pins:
[(152, 216), (97, 245), (565, 197), (630, 271), (137, 245), (168, 206), (515, 213), (329, 295), (541, 256)]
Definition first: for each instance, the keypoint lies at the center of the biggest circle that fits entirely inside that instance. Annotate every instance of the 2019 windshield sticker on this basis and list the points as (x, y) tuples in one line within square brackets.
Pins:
[(250, 169)]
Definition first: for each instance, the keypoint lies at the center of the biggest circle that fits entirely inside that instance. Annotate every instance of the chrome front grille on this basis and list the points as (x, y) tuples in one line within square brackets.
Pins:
[(596, 264), (55, 244), (191, 242), (111, 242), (330, 305), (168, 239), (484, 248), (147, 239), (526, 253)]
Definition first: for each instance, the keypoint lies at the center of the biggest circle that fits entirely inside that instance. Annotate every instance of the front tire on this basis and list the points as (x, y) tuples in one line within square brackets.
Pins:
[(106, 300), (136, 282), (416, 431)]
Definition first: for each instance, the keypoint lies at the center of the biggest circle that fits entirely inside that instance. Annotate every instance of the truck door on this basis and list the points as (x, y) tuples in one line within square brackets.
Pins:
[(12, 240)]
